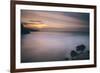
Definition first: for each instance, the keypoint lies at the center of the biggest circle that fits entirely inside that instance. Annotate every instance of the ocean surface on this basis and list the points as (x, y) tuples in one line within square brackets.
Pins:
[(51, 46)]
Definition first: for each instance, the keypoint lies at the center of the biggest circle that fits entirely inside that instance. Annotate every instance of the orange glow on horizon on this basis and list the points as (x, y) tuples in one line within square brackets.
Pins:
[(36, 26)]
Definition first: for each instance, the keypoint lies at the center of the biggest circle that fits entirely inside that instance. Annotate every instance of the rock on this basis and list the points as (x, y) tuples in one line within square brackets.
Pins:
[(73, 53), (80, 48)]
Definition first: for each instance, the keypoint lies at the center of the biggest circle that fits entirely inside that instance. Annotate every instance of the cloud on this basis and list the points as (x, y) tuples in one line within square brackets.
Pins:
[(65, 20)]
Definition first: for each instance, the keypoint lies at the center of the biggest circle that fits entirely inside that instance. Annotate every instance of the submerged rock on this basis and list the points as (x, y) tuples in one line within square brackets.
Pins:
[(80, 53), (82, 56)]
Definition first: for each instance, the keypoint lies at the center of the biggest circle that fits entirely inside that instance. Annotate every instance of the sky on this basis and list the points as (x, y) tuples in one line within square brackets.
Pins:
[(56, 21)]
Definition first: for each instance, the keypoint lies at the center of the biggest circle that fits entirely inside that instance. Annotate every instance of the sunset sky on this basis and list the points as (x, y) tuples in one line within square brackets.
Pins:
[(51, 20)]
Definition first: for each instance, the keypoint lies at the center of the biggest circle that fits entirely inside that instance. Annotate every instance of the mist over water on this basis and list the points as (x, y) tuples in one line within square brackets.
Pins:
[(51, 46)]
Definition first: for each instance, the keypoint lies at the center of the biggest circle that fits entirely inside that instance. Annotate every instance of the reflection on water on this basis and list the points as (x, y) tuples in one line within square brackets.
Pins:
[(51, 46)]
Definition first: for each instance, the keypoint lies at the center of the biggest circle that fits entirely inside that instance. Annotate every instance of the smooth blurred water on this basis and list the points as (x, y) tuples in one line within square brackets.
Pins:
[(51, 46)]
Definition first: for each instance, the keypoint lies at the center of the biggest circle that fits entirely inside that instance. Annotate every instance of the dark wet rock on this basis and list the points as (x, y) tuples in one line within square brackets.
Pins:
[(73, 53), (80, 48)]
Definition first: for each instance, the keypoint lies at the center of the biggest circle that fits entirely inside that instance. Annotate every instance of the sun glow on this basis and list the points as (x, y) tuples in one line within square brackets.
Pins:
[(36, 26)]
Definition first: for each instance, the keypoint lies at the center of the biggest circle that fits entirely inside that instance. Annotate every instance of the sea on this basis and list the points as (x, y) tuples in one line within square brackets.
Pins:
[(51, 46)]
